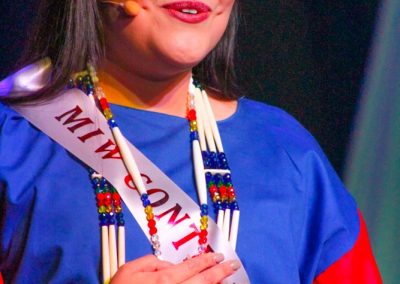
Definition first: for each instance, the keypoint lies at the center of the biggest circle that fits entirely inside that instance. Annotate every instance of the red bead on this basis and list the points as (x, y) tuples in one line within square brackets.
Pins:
[(203, 234), (202, 241), (191, 115), (213, 189), (116, 197), (231, 189), (107, 199), (100, 196), (222, 190), (153, 231), (104, 104), (117, 203), (151, 223)]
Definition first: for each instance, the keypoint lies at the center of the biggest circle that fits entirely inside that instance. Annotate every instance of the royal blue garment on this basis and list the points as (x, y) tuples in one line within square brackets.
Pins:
[(296, 216)]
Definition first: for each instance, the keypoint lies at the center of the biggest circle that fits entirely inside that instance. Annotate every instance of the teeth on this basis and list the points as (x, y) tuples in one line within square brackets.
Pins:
[(189, 11)]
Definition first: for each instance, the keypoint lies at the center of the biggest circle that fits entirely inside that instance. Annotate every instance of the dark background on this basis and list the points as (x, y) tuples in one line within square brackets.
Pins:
[(307, 57)]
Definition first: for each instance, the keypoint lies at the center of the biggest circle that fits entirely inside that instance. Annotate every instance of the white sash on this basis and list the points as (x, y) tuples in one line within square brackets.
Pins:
[(73, 122)]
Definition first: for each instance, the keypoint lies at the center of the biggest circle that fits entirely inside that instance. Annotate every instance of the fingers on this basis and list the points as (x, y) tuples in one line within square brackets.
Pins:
[(191, 267), (204, 269), (215, 274), (146, 263)]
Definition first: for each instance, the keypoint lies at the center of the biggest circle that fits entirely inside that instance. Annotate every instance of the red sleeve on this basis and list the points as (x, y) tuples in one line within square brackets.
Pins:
[(356, 266)]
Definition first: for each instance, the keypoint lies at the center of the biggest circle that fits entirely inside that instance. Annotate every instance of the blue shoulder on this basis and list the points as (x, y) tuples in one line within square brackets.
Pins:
[(282, 128)]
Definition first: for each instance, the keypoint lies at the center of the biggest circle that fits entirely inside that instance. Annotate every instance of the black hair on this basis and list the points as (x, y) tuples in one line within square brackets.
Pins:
[(70, 33)]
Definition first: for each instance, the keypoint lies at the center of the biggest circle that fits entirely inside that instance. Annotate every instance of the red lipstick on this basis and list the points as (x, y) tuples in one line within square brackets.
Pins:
[(188, 11)]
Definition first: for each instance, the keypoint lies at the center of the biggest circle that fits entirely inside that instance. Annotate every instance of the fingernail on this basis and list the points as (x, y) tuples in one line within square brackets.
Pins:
[(219, 257), (235, 264)]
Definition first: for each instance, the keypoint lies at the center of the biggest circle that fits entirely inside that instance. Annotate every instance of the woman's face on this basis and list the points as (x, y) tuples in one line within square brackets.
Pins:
[(167, 37)]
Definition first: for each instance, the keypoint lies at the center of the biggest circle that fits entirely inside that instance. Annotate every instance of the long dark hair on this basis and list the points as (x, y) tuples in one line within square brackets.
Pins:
[(70, 33)]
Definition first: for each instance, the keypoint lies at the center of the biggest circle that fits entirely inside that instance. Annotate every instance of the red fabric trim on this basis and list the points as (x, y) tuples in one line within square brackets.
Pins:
[(356, 266)]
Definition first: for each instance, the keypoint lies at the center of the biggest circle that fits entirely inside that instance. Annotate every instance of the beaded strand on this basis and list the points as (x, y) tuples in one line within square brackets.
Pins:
[(212, 174), (217, 171), (200, 182)]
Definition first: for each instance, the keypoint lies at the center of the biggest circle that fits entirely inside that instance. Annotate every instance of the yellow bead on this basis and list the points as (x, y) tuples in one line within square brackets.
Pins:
[(118, 209), (204, 220), (109, 208), (193, 129), (80, 74), (102, 209), (203, 227), (193, 124), (150, 216), (108, 114), (148, 210)]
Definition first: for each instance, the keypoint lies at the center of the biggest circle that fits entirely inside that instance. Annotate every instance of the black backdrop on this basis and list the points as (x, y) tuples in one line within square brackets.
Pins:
[(307, 57)]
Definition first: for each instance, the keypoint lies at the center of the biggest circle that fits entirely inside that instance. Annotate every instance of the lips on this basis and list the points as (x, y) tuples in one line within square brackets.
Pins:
[(188, 11)]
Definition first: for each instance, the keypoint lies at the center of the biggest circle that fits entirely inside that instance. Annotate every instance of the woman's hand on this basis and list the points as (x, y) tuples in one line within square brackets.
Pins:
[(204, 269)]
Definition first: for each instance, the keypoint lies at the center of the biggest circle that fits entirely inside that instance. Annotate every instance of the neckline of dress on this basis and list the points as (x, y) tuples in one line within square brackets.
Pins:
[(152, 114)]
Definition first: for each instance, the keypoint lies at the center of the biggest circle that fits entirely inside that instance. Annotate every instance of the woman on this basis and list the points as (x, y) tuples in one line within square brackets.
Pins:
[(298, 224)]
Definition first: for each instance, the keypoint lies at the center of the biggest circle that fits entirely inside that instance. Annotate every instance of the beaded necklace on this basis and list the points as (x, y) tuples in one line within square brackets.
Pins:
[(211, 170)]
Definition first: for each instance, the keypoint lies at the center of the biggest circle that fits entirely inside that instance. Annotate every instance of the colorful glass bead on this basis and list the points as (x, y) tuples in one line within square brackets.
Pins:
[(194, 136), (104, 104), (108, 114), (191, 115), (148, 210), (193, 125), (112, 123)]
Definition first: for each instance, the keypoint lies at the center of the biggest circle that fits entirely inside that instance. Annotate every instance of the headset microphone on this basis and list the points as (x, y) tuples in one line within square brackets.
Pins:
[(131, 8)]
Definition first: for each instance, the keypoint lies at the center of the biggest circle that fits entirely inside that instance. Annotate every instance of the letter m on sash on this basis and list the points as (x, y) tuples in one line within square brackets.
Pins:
[(72, 118)]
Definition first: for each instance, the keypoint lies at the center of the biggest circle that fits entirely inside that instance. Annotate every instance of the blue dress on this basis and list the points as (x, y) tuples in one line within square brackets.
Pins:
[(297, 219)]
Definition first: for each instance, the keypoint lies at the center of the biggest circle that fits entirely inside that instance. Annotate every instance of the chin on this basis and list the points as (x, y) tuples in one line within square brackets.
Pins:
[(184, 55)]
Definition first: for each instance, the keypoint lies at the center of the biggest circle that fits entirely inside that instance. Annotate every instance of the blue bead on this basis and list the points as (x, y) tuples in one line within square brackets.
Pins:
[(112, 123), (227, 178), (206, 159), (208, 177), (103, 223), (96, 182), (89, 89), (146, 203), (234, 206), (204, 210), (121, 223), (213, 160), (194, 136), (144, 197), (222, 161), (217, 178)]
